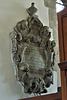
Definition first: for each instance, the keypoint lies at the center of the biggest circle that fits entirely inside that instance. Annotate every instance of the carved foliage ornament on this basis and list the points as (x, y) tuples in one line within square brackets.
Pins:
[(33, 53)]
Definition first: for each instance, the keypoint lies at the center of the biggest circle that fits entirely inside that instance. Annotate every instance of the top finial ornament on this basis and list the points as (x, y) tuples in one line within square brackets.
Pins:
[(32, 10)]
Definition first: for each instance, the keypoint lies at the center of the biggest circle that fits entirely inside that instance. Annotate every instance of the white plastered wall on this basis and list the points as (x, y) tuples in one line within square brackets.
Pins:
[(12, 11)]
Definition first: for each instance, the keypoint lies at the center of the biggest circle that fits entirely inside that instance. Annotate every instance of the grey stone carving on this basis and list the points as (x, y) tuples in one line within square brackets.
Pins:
[(33, 53)]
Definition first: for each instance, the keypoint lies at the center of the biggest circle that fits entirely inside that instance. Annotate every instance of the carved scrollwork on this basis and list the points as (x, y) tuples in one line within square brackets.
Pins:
[(33, 53)]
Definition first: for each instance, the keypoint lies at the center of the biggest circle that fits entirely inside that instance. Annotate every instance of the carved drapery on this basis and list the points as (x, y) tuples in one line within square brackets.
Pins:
[(33, 53)]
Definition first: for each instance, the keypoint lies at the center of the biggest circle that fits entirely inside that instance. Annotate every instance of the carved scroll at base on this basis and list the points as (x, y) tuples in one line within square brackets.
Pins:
[(33, 53)]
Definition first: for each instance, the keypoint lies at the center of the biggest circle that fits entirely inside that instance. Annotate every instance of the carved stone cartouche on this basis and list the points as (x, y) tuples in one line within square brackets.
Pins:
[(33, 53)]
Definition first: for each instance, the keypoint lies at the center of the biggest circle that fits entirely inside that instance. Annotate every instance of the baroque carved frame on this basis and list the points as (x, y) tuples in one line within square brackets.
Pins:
[(30, 34)]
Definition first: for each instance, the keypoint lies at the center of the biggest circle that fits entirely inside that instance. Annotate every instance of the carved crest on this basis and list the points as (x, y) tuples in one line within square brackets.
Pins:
[(33, 53)]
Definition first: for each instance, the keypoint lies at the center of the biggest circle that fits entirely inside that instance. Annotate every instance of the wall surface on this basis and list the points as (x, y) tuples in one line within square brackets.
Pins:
[(12, 11), (51, 4)]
